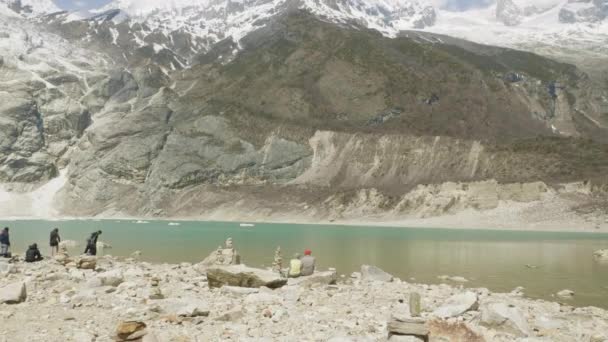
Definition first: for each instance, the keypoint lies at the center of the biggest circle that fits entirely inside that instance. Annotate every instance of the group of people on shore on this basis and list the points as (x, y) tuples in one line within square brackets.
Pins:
[(33, 253)]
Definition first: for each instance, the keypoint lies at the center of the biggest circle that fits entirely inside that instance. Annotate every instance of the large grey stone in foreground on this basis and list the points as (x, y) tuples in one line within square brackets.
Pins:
[(457, 305), (502, 317), (243, 276), (13, 293), (373, 273)]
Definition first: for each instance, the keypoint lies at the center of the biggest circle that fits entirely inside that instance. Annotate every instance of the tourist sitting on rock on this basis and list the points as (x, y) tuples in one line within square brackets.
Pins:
[(91, 248), (295, 267), (5, 243), (55, 240), (33, 254), (308, 263)]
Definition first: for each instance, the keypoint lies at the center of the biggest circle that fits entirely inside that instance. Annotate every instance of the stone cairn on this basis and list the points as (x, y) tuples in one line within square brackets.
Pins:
[(155, 292), (277, 264), (223, 256)]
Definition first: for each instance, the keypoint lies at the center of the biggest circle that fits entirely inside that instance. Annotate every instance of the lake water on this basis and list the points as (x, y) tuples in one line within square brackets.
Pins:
[(493, 259)]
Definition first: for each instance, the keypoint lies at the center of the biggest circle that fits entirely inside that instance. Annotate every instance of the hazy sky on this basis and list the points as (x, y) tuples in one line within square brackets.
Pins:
[(88, 4)]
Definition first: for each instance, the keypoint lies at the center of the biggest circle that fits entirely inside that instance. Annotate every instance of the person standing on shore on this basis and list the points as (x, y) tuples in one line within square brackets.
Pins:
[(308, 263), (5, 243), (55, 240), (92, 243)]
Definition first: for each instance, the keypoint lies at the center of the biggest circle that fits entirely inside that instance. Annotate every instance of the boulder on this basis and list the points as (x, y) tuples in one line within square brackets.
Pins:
[(243, 276), (86, 262), (565, 294), (408, 327), (502, 317), (373, 273), (223, 256), (601, 254), (131, 330), (457, 305), (317, 278), (13, 293), (110, 278)]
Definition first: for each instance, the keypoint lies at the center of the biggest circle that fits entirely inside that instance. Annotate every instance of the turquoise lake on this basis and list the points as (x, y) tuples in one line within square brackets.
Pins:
[(493, 259)]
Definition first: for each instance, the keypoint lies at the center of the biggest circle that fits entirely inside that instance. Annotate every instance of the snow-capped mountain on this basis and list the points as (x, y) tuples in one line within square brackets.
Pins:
[(30, 7), (189, 27)]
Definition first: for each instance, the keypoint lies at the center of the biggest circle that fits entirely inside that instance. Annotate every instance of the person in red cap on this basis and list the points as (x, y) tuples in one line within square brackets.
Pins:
[(308, 263)]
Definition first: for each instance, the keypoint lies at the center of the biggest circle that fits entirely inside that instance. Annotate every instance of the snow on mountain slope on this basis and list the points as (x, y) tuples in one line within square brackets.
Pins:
[(189, 27), (29, 7), (541, 32)]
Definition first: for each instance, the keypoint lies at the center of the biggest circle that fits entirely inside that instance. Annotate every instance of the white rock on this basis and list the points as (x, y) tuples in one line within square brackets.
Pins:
[(13, 293), (184, 307), (397, 338), (110, 278), (6, 268), (263, 298), (66, 296), (457, 305), (565, 294), (601, 254), (373, 273), (500, 316)]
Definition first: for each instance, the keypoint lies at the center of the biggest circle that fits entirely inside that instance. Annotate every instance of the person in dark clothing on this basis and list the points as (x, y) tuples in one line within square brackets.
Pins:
[(5, 243), (55, 240), (92, 243), (33, 254)]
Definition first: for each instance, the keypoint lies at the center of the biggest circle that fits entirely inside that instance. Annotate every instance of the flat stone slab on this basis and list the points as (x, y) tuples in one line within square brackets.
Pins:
[(243, 276)]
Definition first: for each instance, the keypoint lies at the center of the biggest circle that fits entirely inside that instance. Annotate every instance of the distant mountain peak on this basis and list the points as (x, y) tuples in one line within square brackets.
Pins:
[(31, 7)]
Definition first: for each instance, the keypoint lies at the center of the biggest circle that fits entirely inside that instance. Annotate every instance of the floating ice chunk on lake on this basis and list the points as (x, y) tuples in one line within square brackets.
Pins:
[(141, 222), (174, 224), (247, 225)]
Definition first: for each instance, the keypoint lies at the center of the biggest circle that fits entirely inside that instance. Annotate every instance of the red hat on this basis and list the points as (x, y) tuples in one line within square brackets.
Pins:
[(307, 252)]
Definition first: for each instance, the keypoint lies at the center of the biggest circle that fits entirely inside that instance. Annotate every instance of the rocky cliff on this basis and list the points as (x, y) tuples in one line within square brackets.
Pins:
[(304, 114)]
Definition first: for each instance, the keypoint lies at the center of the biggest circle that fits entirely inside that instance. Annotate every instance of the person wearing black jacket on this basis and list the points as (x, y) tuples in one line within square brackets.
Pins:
[(54, 241), (92, 243), (5, 243), (33, 254)]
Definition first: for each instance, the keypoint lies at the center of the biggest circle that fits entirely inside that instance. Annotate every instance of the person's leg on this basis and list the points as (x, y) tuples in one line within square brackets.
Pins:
[(3, 250)]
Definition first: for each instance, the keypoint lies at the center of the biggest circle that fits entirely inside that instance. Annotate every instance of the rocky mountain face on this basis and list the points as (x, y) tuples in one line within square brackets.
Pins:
[(300, 115), (592, 11)]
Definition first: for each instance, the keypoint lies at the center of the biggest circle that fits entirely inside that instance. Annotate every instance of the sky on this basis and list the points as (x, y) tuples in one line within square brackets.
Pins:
[(88, 4)]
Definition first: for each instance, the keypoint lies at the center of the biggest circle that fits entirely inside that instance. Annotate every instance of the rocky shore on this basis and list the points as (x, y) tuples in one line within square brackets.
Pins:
[(110, 299)]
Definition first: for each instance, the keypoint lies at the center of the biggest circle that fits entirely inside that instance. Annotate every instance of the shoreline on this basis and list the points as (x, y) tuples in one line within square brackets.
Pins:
[(431, 223), (177, 300)]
